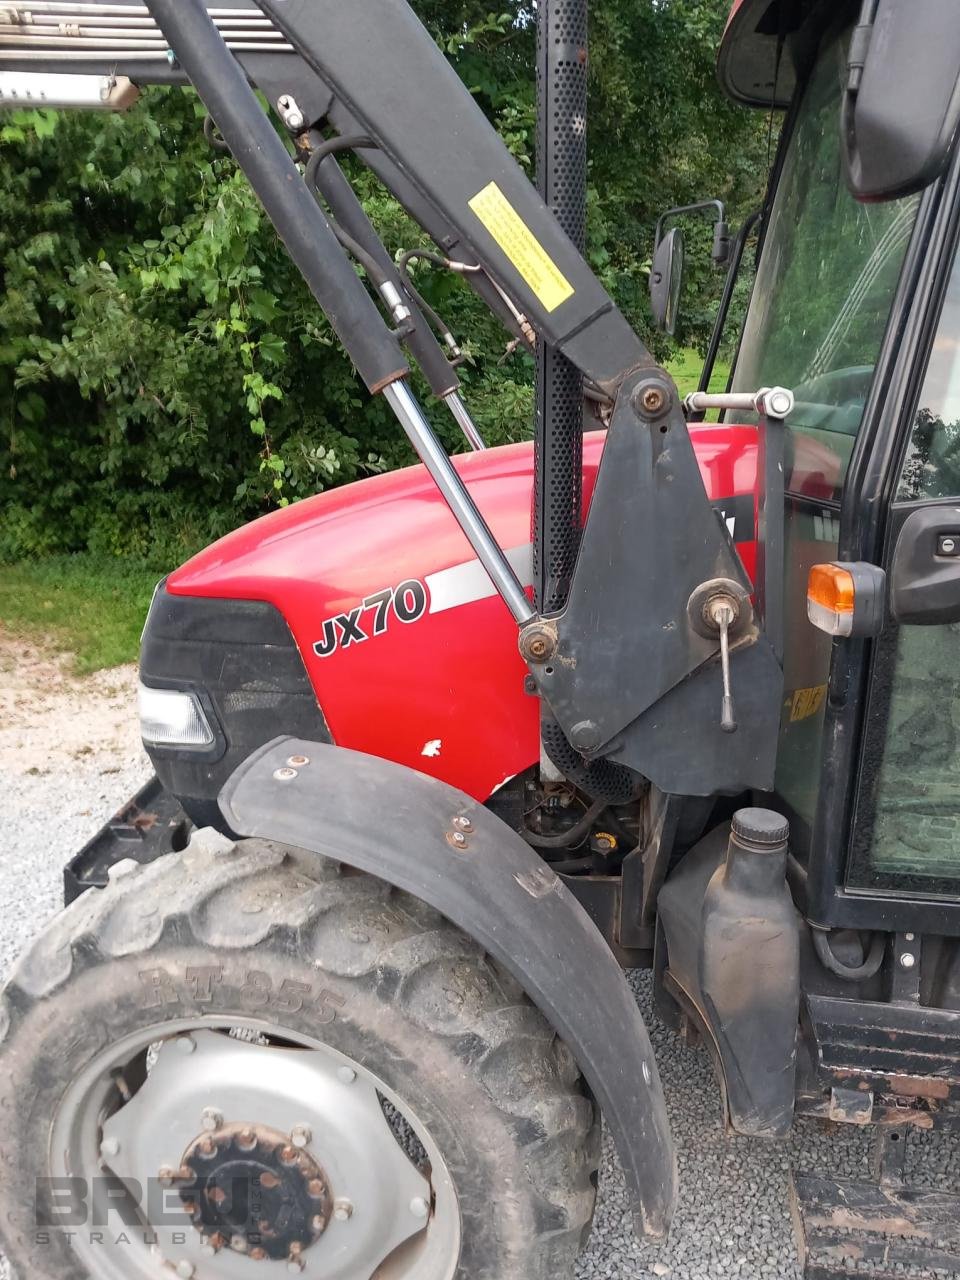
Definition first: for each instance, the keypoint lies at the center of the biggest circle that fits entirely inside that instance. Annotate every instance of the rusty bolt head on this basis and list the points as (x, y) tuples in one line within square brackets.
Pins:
[(238, 1244), (289, 1155), (318, 1222), (167, 1176), (538, 642), (207, 1147), (462, 823), (258, 1254), (298, 762), (651, 399), (342, 1209), (316, 1189), (285, 775), (459, 837), (246, 1139)]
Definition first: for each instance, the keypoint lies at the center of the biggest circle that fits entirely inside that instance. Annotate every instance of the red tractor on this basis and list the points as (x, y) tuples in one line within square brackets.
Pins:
[(341, 993)]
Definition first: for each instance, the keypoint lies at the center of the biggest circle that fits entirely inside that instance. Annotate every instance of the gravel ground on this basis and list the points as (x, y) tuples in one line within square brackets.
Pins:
[(732, 1218)]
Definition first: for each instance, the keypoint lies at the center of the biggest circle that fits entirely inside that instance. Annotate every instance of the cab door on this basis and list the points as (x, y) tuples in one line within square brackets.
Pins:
[(905, 837)]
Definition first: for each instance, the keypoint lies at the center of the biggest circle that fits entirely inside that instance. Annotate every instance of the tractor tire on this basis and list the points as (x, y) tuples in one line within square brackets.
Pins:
[(254, 948)]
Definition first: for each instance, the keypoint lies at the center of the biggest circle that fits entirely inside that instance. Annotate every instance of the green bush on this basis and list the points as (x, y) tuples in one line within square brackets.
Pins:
[(164, 373)]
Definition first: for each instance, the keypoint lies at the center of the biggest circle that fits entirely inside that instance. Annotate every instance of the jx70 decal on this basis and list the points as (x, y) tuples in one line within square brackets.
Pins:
[(407, 603)]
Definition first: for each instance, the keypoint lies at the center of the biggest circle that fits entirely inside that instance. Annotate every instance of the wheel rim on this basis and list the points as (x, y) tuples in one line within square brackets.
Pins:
[(231, 1150)]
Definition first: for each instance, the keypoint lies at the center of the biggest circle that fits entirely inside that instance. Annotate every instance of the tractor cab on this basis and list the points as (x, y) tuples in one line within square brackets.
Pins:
[(856, 308)]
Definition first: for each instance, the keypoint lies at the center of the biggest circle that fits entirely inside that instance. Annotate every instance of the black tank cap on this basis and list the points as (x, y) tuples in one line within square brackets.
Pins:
[(761, 826)]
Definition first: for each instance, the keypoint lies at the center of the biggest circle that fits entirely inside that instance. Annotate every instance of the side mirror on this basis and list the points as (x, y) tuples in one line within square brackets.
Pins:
[(901, 109), (666, 279)]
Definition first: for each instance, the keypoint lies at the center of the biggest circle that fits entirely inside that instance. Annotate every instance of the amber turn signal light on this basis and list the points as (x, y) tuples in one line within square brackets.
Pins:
[(845, 599)]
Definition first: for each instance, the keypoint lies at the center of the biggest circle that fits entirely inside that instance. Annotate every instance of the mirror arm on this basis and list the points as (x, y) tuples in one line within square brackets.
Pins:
[(721, 237)]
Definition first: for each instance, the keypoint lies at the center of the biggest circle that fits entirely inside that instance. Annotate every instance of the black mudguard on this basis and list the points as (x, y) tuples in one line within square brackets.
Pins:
[(439, 844)]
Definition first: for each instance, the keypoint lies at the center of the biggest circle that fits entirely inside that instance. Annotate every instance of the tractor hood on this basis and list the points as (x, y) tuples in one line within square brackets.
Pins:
[(411, 655)]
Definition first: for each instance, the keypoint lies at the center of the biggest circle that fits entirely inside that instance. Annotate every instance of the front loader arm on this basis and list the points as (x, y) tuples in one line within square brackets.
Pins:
[(627, 668)]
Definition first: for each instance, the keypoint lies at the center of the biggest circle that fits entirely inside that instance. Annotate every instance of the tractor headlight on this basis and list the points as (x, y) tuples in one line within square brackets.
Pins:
[(173, 718)]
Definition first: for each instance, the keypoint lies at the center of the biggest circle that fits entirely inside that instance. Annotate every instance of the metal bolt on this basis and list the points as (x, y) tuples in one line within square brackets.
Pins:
[(464, 824), (419, 1207), (211, 1119), (346, 1075), (653, 399), (207, 1147), (538, 642), (459, 838), (908, 960), (285, 775), (585, 736), (909, 937), (185, 1044), (342, 1209), (290, 113), (318, 1222), (185, 1269), (110, 1147), (238, 1244), (316, 1188), (258, 1254), (300, 1135), (167, 1176), (298, 761)]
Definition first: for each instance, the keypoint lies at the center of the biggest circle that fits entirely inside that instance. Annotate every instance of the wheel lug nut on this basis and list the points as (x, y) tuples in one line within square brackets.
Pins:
[(110, 1147), (300, 1135), (342, 1209), (247, 1139), (346, 1075), (210, 1119), (258, 1254), (419, 1207), (238, 1244), (318, 1222), (288, 1155), (185, 1044), (316, 1188), (185, 1269)]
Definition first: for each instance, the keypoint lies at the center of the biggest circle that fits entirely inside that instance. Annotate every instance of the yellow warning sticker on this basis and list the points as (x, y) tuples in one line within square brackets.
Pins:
[(522, 247), (807, 702)]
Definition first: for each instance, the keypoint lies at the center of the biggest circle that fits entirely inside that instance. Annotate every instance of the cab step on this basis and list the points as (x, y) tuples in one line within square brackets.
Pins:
[(849, 1228)]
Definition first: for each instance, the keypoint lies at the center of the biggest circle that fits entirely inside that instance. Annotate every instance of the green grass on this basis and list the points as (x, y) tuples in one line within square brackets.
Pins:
[(90, 606), (685, 369)]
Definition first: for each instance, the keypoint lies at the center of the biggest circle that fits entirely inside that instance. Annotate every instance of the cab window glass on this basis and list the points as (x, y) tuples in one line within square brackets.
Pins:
[(824, 289), (932, 467)]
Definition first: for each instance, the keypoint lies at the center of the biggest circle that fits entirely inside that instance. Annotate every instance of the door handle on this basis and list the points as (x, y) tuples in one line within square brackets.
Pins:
[(925, 574)]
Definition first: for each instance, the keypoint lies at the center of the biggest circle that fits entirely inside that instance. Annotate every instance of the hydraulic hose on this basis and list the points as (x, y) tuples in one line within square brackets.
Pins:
[(859, 973), (579, 830)]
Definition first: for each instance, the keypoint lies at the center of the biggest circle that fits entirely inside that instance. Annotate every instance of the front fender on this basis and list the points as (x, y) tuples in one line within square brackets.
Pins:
[(437, 843)]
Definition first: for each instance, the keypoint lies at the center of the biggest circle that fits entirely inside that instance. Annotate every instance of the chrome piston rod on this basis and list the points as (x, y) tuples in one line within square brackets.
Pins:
[(447, 479)]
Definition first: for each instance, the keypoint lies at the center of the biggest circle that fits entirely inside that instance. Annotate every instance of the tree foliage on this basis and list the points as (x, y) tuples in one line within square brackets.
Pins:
[(164, 373)]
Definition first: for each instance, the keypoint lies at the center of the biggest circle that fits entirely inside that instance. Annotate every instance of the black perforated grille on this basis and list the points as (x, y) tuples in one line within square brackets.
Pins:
[(562, 177)]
